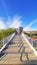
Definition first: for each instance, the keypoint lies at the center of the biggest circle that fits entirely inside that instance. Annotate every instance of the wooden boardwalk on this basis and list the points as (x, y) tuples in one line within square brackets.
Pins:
[(18, 52)]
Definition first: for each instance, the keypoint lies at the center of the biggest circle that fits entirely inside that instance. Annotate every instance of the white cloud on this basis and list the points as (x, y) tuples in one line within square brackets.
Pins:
[(15, 22), (28, 27), (2, 25)]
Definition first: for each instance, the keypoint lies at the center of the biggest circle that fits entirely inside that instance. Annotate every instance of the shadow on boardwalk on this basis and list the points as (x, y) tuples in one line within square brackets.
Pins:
[(19, 52)]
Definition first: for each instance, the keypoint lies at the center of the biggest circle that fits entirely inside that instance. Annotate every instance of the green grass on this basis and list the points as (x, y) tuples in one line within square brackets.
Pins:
[(5, 33), (36, 48), (0, 46)]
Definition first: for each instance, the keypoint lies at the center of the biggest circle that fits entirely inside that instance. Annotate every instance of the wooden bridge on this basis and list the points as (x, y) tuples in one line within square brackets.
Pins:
[(17, 51)]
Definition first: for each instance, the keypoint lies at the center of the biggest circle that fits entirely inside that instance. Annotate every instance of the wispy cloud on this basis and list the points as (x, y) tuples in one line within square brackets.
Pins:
[(14, 22), (2, 25), (11, 22), (28, 27)]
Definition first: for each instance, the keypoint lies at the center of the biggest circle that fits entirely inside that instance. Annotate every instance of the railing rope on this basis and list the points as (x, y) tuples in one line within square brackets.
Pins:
[(5, 41), (32, 44)]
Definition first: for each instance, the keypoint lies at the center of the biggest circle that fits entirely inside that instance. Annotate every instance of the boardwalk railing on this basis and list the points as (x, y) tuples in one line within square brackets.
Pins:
[(5, 41), (32, 43)]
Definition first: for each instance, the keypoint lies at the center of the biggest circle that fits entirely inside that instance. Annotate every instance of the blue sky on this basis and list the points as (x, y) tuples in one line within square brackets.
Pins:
[(15, 13)]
